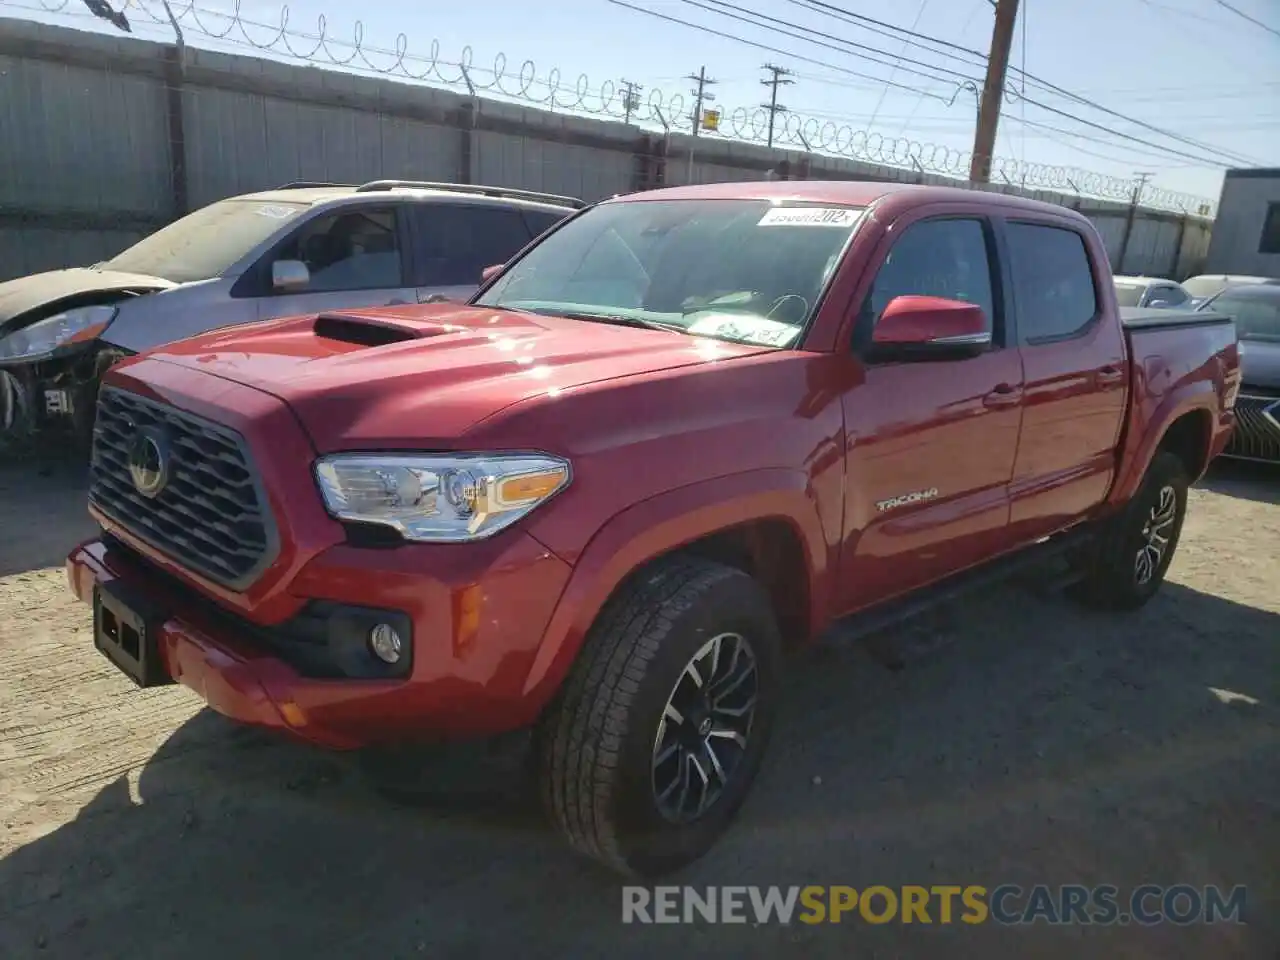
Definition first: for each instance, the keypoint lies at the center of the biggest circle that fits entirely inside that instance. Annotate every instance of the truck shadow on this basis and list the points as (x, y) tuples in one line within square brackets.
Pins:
[(43, 511), (1243, 479), (1033, 744)]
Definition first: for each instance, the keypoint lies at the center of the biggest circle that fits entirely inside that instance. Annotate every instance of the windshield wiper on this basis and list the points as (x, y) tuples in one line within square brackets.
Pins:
[(623, 321)]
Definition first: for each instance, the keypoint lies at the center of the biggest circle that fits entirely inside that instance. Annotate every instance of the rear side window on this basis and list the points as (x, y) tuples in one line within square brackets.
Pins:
[(932, 258), (1173, 296), (539, 221), (455, 242), (1129, 294), (1052, 281)]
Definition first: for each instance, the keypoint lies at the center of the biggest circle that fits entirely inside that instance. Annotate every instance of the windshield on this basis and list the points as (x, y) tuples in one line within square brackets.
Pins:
[(1129, 294), (202, 245), (742, 270), (1257, 318), (1204, 286)]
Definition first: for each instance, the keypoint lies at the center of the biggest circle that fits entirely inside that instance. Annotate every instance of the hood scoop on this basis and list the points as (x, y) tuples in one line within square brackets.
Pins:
[(368, 331)]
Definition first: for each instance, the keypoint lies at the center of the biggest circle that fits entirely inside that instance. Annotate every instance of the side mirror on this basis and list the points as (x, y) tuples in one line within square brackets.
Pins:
[(289, 275), (930, 328), (488, 273)]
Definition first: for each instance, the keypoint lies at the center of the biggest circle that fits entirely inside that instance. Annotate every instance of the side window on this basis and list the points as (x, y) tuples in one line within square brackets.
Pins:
[(539, 221), (1175, 296), (455, 242), (1269, 242), (353, 249), (1052, 281), (932, 258)]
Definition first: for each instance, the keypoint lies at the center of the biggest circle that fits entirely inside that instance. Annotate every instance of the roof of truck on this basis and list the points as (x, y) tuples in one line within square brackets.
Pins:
[(858, 193)]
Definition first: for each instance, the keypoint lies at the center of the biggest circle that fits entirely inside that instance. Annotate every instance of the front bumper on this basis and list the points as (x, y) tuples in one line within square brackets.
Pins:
[(478, 617), (1257, 431), (54, 396)]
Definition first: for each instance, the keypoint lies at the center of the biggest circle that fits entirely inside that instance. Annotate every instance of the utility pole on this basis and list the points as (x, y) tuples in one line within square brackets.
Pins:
[(630, 99), (1141, 177), (984, 137), (779, 77), (700, 97)]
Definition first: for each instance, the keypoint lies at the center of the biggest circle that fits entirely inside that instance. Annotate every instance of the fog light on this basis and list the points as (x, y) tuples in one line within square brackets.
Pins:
[(385, 643)]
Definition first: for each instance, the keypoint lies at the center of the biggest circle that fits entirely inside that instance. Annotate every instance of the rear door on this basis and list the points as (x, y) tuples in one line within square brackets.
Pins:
[(357, 256), (454, 242), (931, 445), (1076, 370)]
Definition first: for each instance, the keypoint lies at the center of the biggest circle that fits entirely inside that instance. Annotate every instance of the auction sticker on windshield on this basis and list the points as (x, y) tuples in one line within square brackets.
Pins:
[(746, 329), (809, 217)]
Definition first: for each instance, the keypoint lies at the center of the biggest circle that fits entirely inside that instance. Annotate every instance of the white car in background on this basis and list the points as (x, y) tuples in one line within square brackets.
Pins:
[(1153, 292), (302, 248)]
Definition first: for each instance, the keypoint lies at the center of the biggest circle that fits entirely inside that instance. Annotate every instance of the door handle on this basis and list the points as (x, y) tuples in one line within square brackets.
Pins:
[(1004, 395), (1109, 374)]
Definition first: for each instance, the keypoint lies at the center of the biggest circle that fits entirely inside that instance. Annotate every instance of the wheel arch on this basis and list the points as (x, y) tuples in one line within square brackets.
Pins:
[(1183, 425), (764, 523)]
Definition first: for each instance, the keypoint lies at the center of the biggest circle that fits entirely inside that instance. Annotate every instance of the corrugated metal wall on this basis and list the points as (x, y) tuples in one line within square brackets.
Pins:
[(86, 164)]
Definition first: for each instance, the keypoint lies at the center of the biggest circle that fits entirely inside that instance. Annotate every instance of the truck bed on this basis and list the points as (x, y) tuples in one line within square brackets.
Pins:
[(1147, 318)]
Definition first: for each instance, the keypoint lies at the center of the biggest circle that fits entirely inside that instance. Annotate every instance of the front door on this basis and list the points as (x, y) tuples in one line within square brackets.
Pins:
[(356, 257), (930, 445)]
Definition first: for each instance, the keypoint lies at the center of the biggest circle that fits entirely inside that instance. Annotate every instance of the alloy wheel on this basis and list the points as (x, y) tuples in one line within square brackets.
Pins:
[(705, 727), (1156, 533)]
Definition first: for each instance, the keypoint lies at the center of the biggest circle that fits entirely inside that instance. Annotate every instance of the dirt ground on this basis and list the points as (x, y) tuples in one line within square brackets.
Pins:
[(1029, 743)]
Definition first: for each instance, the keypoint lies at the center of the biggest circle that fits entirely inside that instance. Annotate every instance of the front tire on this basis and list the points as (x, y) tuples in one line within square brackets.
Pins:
[(660, 729), (1136, 546)]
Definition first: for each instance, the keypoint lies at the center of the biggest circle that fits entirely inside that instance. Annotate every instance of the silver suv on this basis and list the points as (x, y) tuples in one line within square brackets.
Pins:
[(303, 248)]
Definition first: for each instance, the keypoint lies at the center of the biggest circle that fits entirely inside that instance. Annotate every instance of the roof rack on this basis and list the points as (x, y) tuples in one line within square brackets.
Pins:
[(474, 188), (305, 184)]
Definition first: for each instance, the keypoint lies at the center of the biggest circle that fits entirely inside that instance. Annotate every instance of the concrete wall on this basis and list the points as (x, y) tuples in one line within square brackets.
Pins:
[(1237, 235), (105, 138)]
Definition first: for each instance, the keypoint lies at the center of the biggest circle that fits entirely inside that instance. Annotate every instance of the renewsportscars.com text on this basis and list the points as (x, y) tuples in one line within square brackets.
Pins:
[(1007, 904)]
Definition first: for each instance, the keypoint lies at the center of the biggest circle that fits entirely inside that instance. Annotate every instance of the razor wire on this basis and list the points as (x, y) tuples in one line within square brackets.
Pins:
[(504, 79)]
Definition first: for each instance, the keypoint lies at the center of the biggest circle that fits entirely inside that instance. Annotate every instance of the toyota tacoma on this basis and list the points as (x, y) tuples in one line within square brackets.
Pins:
[(684, 433)]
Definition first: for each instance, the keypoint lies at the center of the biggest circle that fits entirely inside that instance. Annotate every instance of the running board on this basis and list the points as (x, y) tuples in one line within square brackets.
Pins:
[(870, 626)]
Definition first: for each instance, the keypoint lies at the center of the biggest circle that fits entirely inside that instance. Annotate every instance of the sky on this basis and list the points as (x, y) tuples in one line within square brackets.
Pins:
[(1177, 89)]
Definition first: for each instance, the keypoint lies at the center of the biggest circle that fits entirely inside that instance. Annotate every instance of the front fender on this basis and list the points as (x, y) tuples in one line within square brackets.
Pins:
[(1149, 429), (664, 523)]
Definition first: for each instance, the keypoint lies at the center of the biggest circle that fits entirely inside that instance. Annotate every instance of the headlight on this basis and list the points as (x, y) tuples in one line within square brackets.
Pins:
[(62, 330), (439, 499)]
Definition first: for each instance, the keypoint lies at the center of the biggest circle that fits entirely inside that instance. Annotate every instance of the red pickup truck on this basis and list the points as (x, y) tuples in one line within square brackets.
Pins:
[(679, 435)]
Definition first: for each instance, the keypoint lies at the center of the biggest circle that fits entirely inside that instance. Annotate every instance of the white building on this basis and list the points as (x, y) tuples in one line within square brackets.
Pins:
[(1246, 234)]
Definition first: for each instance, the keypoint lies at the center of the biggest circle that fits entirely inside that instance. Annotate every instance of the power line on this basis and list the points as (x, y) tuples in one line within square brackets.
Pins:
[(739, 13), (884, 91), (764, 46), (1207, 158), (1245, 16), (839, 13), (779, 76), (848, 15)]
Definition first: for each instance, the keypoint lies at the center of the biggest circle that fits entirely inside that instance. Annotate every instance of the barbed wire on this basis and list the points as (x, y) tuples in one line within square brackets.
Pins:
[(660, 109)]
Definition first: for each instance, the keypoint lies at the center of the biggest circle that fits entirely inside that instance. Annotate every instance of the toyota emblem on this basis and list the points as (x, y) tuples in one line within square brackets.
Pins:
[(149, 461)]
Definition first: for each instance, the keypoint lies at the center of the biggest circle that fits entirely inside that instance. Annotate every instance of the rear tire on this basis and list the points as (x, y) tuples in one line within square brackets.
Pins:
[(1135, 547), (661, 726)]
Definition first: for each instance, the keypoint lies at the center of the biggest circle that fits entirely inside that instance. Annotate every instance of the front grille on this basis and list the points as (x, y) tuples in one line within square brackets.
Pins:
[(210, 514), (1257, 432)]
